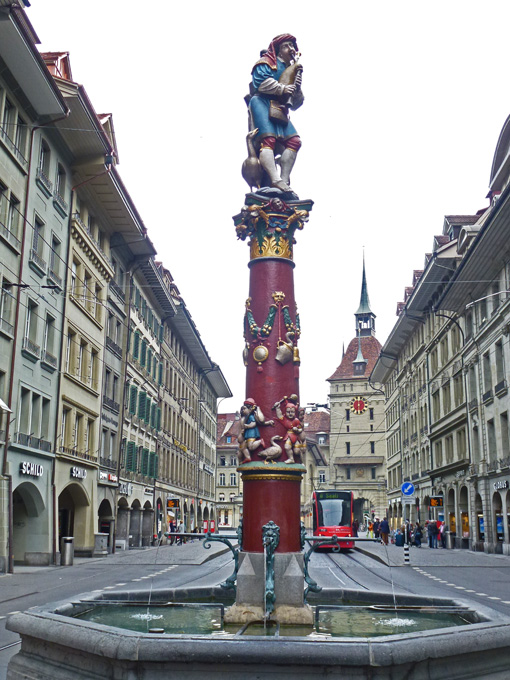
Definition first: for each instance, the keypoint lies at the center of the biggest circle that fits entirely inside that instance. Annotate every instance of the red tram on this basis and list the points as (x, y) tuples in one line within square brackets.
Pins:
[(332, 516)]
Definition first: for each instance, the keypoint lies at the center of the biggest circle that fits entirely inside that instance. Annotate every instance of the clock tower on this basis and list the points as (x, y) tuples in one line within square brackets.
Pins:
[(357, 441)]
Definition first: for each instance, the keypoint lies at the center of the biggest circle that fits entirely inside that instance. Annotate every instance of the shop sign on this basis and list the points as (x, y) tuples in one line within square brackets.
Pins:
[(107, 477), (501, 484), (147, 491), (172, 503), (78, 473), (32, 469), (125, 488), (436, 501), (208, 469)]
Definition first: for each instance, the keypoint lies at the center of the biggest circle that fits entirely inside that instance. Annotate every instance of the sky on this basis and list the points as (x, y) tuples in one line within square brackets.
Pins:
[(404, 104)]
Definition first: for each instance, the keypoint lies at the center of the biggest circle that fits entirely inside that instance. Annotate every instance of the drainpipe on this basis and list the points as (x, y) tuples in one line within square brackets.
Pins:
[(10, 528)]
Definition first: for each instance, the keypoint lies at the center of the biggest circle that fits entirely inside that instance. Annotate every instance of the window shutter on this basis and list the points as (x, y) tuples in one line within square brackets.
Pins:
[(136, 345), (160, 376), (158, 419), (145, 462), (141, 404), (132, 399), (161, 333), (131, 457), (153, 415), (137, 298), (143, 356), (147, 417), (149, 360)]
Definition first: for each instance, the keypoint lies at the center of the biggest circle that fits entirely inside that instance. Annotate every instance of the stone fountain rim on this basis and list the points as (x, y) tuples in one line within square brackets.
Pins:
[(44, 623)]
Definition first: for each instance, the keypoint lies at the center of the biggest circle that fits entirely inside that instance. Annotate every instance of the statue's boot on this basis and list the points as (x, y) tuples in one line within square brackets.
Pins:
[(266, 158), (287, 160)]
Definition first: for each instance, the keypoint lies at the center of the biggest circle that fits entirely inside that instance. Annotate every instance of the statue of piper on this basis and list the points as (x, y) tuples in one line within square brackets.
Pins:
[(275, 88)]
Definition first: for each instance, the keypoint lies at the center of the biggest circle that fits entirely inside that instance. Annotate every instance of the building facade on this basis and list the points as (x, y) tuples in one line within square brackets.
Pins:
[(229, 489), (108, 396), (445, 370), (357, 444), (33, 239)]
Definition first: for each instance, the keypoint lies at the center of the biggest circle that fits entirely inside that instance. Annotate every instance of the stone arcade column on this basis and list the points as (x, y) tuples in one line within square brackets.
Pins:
[(270, 454)]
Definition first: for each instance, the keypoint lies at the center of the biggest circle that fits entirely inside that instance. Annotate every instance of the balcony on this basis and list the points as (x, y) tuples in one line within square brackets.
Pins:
[(117, 290), (501, 388), (9, 237), (48, 361), (111, 404), (36, 262), (33, 442), (108, 463), (6, 327), (72, 451), (488, 397), (30, 350), (13, 149), (44, 184), (60, 204), (473, 404), (81, 233), (113, 347), (54, 278)]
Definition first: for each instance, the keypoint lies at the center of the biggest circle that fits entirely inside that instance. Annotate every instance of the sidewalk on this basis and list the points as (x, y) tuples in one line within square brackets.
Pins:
[(192, 552), (393, 556)]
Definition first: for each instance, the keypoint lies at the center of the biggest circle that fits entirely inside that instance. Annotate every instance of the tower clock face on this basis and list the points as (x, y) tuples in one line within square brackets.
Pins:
[(359, 405)]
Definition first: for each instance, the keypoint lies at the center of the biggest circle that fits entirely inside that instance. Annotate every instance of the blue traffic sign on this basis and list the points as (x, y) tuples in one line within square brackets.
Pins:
[(407, 489)]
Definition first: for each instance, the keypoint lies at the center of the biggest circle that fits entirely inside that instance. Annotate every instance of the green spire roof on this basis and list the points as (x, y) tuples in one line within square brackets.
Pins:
[(364, 303)]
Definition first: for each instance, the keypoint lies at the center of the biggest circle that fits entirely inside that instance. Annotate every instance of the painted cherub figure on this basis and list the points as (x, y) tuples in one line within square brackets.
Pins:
[(249, 438), (286, 412)]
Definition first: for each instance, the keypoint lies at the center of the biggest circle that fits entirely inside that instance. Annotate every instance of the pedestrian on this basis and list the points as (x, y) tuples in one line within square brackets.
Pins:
[(384, 529), (172, 529), (432, 533), (407, 531), (370, 530), (442, 535), (377, 524), (181, 529), (418, 534), (355, 527)]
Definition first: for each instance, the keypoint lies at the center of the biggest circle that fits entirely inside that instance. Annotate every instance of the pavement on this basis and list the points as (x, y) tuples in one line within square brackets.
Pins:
[(393, 556), (191, 552)]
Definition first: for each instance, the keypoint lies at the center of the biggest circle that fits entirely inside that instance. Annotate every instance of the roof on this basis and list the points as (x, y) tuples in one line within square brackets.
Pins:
[(24, 63), (411, 312), (370, 348), (228, 425), (317, 421), (364, 302)]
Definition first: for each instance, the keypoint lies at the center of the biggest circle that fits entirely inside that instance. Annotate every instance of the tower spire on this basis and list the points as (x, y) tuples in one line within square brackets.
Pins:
[(365, 318)]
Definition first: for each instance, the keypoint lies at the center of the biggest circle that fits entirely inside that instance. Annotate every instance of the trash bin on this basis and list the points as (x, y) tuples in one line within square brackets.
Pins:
[(67, 551), (450, 539)]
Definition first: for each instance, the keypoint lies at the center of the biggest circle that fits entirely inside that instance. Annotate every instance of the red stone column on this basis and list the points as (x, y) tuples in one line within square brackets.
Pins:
[(271, 488)]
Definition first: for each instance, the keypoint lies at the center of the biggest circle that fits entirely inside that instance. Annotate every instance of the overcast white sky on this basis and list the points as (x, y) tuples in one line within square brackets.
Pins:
[(404, 103)]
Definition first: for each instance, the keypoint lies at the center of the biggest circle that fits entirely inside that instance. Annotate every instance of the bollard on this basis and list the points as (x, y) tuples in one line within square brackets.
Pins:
[(406, 554)]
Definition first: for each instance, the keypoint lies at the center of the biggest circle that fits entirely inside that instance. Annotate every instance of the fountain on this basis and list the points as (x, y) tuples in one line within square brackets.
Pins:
[(267, 627)]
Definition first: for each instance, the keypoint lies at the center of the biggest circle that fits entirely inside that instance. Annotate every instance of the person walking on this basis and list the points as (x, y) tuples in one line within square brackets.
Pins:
[(418, 534), (355, 527), (384, 529), (181, 529), (442, 535), (377, 525)]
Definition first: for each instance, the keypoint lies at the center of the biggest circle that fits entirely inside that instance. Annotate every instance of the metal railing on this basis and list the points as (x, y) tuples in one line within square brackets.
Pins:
[(31, 347)]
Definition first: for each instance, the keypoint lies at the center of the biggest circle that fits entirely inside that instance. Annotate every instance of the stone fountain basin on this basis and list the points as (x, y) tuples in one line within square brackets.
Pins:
[(57, 647)]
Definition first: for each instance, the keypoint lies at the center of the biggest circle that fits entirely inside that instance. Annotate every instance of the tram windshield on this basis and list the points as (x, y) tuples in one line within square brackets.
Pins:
[(334, 512)]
